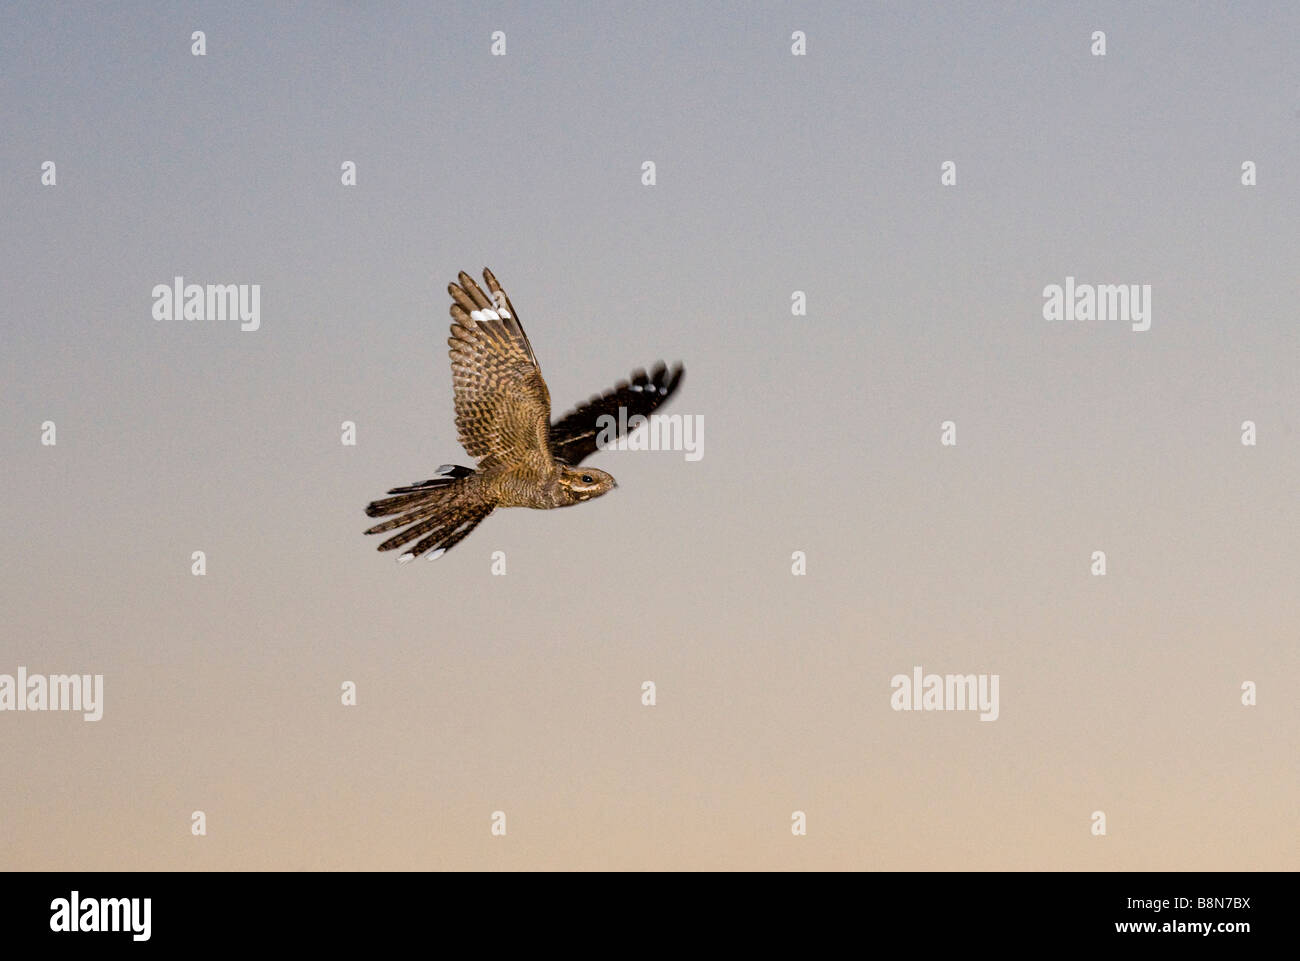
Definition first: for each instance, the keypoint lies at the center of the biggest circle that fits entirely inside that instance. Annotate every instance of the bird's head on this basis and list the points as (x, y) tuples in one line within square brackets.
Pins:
[(584, 483)]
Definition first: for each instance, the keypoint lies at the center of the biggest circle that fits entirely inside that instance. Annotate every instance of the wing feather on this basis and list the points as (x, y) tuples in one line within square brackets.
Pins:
[(503, 407), (574, 436)]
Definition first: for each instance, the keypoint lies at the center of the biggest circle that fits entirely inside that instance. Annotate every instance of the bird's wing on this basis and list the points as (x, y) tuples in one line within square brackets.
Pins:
[(574, 436), (503, 408)]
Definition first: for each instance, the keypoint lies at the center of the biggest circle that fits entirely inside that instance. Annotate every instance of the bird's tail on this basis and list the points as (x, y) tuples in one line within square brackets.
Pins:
[(441, 512)]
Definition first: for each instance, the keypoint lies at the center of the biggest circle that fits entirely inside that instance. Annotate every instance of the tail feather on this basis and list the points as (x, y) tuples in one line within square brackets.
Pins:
[(392, 505), (433, 523), (441, 511), (445, 539), (415, 494), (419, 514), (447, 474)]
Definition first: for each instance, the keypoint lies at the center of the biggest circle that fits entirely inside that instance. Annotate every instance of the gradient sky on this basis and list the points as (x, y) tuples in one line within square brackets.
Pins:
[(775, 173)]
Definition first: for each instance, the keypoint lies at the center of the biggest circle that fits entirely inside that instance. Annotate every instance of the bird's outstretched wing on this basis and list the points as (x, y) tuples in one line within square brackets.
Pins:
[(574, 436), (503, 408)]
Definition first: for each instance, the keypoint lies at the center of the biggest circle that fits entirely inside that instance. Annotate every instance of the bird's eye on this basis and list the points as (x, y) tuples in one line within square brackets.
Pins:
[(587, 479)]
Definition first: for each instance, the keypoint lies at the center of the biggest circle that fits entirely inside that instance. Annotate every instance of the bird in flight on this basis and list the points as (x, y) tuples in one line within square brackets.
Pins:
[(503, 415)]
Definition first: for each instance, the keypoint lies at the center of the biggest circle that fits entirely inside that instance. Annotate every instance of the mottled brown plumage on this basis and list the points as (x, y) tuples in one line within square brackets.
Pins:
[(503, 415)]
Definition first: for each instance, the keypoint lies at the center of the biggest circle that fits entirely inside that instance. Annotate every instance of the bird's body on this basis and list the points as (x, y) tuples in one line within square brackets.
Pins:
[(503, 414)]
